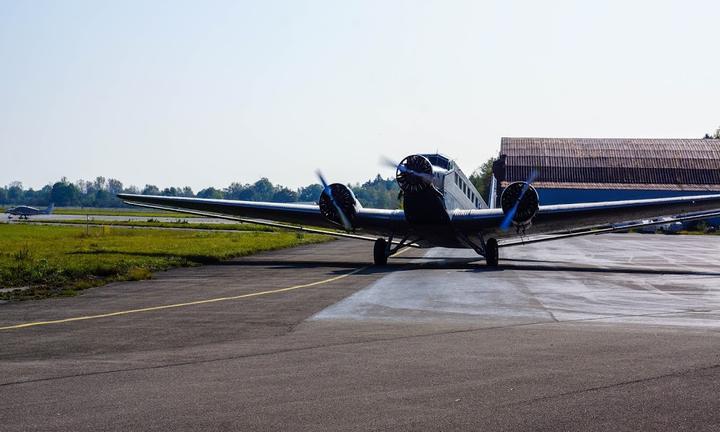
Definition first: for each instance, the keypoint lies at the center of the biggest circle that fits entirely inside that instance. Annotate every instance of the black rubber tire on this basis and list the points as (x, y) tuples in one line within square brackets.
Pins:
[(492, 254), (379, 255)]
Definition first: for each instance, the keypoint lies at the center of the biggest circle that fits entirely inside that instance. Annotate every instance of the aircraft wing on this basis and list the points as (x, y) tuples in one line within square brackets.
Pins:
[(569, 217), (551, 222), (605, 229), (372, 221)]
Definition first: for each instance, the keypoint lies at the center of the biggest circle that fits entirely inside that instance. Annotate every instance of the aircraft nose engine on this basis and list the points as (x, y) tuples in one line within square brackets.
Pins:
[(528, 206), (344, 199), (414, 173)]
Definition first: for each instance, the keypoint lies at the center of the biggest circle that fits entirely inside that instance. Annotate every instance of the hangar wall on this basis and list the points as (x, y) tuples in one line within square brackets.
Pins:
[(572, 170)]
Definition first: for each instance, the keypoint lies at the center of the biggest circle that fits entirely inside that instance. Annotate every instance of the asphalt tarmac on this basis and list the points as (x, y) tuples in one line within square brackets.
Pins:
[(613, 332)]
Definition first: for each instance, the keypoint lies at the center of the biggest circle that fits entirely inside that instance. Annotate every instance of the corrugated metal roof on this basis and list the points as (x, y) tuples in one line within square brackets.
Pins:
[(678, 164)]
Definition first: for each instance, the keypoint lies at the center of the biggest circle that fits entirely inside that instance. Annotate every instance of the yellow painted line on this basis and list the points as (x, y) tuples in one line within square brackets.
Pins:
[(193, 303), (179, 305)]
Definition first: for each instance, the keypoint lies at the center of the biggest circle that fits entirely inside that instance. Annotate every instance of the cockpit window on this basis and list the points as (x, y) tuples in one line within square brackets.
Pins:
[(438, 160)]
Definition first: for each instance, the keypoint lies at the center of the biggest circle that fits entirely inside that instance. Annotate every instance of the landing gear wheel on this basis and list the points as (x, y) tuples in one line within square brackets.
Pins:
[(379, 252), (492, 254)]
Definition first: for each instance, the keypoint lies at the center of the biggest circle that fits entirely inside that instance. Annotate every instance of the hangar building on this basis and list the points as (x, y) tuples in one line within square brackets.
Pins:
[(598, 169)]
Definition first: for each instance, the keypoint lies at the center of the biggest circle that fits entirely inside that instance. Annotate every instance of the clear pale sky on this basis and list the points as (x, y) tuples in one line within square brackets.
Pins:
[(209, 92)]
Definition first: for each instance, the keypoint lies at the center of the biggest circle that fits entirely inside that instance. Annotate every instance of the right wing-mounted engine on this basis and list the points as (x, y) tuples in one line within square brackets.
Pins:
[(520, 203)]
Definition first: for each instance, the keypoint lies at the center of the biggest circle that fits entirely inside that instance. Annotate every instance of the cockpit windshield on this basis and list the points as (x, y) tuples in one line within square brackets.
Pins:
[(438, 160)]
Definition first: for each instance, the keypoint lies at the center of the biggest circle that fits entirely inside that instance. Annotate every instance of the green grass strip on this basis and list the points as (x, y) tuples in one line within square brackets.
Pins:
[(62, 260)]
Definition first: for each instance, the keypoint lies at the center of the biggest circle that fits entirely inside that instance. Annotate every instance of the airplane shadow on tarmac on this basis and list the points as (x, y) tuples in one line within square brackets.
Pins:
[(468, 264), (446, 263)]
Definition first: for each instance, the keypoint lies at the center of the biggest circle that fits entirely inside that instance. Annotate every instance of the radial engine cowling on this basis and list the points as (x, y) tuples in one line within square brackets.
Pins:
[(344, 198), (528, 206), (414, 173)]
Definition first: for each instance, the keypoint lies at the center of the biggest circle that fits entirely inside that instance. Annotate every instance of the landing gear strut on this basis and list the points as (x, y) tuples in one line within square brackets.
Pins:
[(380, 254), (384, 248), (492, 255)]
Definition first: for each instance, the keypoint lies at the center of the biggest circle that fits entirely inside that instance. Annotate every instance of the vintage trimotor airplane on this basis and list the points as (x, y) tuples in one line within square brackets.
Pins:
[(442, 208)]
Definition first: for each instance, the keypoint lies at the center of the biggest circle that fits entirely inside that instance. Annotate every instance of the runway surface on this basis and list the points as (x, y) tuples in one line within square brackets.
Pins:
[(614, 332)]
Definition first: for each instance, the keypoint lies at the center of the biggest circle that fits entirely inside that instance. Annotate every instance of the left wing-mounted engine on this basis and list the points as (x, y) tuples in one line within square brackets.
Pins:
[(339, 205)]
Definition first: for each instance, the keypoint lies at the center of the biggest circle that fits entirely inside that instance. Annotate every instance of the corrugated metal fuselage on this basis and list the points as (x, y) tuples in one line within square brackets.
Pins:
[(426, 211)]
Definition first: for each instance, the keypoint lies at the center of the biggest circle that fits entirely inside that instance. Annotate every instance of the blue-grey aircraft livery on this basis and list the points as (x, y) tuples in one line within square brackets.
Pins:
[(24, 212), (442, 208)]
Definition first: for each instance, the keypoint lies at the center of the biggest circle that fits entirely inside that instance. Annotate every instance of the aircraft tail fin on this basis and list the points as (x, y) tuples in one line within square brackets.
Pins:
[(49, 208)]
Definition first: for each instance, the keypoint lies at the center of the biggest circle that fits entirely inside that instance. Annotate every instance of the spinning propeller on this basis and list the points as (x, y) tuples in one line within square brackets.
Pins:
[(402, 168), (510, 214), (328, 190)]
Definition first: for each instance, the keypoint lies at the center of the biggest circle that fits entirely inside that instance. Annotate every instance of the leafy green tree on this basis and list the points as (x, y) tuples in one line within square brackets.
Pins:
[(44, 195), (101, 192), (36, 198), (310, 193), (378, 193), (132, 190), (102, 198), (171, 191), (100, 183), (285, 195), (64, 193), (245, 193), (263, 190), (210, 192), (15, 192), (114, 186), (151, 190), (235, 191), (716, 135), (481, 178)]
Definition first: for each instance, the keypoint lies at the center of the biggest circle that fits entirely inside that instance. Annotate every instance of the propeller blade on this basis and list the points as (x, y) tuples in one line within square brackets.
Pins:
[(322, 179), (508, 218), (428, 178), (344, 219), (326, 188), (507, 221), (384, 160), (532, 177)]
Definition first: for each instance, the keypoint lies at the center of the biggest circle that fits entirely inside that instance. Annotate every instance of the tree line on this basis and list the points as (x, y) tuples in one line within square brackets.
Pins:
[(377, 193), (101, 192)]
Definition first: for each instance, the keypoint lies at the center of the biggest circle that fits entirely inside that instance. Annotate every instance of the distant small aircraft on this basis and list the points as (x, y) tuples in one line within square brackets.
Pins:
[(442, 208), (23, 212)]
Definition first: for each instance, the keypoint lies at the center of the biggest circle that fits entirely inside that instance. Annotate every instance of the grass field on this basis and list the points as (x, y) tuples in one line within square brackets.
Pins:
[(61, 260), (150, 223), (120, 212), (114, 212)]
